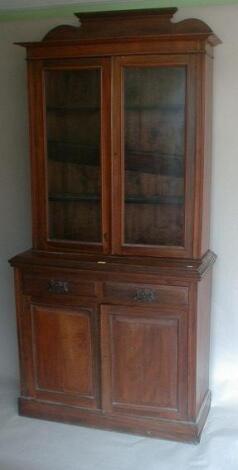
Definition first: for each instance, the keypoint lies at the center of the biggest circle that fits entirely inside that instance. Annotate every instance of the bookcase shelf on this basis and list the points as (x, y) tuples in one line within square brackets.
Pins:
[(66, 197)]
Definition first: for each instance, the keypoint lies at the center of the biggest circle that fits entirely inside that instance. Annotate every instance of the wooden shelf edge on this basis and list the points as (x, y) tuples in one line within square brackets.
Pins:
[(187, 268)]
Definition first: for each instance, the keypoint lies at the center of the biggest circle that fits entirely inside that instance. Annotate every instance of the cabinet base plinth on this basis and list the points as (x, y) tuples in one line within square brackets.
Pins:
[(185, 431)]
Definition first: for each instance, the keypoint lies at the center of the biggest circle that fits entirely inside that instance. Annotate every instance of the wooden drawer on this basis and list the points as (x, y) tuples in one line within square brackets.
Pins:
[(146, 293), (57, 284)]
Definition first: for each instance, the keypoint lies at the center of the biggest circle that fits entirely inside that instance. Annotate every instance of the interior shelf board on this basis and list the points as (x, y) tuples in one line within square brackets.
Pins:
[(73, 144), (73, 152), (175, 200), (67, 197), (72, 109), (129, 152), (154, 107), (148, 162)]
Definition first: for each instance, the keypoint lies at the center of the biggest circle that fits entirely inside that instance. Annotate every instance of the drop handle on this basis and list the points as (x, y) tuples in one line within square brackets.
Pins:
[(58, 287), (144, 295)]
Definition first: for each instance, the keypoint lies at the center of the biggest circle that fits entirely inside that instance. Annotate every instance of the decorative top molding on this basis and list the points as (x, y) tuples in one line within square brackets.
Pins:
[(131, 23)]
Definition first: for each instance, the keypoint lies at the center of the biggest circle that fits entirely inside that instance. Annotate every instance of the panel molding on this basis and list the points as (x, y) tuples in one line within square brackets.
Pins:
[(52, 393), (159, 322), (110, 315)]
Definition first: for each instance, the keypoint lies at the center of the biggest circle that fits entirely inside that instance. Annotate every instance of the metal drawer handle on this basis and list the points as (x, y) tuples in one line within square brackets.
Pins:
[(144, 295), (58, 287)]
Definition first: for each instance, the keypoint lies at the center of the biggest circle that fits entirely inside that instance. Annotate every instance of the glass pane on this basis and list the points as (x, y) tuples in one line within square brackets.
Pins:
[(73, 146), (154, 110)]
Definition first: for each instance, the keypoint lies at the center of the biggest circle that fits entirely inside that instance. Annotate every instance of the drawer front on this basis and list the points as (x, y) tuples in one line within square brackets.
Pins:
[(146, 293), (59, 284)]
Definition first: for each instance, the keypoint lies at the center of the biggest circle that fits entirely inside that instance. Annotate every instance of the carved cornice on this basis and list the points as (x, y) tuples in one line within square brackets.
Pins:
[(132, 23)]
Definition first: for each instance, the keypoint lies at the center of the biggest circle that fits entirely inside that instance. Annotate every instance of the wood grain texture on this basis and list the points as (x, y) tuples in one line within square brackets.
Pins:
[(146, 22), (36, 284), (184, 431), (133, 381), (161, 217), (193, 269), (113, 301), (203, 338), (170, 328), (48, 180), (59, 350), (146, 293), (62, 342)]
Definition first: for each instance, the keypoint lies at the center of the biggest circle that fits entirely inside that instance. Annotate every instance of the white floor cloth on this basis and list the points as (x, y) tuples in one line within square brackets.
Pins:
[(29, 444)]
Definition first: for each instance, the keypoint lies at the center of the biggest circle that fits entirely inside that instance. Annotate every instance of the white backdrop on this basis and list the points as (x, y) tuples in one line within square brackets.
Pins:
[(224, 233), (32, 445), (15, 199)]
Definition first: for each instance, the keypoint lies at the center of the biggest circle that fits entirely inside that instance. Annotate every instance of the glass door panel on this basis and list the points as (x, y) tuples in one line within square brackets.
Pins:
[(154, 155), (73, 129)]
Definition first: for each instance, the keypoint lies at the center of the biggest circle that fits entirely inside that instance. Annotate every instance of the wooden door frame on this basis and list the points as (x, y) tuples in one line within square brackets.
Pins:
[(118, 245), (38, 141)]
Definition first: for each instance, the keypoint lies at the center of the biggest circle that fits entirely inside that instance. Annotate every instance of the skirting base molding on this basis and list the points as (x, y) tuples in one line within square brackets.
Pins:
[(185, 431)]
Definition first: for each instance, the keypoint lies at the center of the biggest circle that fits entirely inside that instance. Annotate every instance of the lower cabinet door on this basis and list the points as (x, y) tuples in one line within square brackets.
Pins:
[(59, 353), (144, 361)]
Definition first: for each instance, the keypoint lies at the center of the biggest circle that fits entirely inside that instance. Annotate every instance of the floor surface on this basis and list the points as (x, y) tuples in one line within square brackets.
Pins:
[(29, 444)]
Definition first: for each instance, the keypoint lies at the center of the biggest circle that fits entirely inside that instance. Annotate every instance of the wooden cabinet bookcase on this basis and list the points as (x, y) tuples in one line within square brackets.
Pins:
[(113, 301)]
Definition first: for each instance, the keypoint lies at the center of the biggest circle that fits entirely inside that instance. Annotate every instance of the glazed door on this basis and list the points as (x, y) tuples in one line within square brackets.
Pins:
[(59, 350), (144, 364), (71, 199), (153, 156)]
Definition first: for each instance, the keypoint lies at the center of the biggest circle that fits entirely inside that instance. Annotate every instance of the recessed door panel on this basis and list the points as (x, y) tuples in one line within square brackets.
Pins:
[(138, 378), (61, 350), (144, 361)]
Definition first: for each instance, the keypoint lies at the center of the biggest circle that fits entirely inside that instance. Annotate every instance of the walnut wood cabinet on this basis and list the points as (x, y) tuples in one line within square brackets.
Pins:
[(113, 300)]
